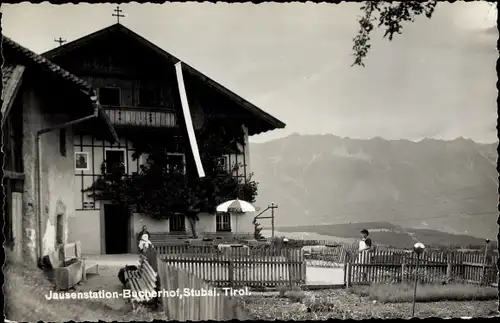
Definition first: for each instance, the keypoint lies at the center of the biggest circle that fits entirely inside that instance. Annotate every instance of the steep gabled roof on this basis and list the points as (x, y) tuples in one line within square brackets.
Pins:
[(270, 122), (46, 64), (12, 74)]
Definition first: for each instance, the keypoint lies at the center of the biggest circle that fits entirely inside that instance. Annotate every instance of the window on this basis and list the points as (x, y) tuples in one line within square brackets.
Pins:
[(222, 163), (177, 223), (176, 162), (223, 222), (115, 161), (60, 229), (110, 96), (148, 98), (62, 142)]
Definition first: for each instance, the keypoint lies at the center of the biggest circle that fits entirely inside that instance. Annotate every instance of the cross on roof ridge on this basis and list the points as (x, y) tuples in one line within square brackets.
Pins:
[(118, 14), (60, 41)]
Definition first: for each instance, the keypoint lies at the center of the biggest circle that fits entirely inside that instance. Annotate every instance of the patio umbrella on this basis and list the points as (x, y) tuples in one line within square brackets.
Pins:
[(236, 206)]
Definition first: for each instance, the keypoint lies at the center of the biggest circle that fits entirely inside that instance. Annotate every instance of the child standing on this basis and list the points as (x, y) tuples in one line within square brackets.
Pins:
[(144, 243)]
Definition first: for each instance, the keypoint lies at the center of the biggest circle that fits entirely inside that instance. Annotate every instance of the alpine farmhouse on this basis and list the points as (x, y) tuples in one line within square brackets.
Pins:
[(137, 84)]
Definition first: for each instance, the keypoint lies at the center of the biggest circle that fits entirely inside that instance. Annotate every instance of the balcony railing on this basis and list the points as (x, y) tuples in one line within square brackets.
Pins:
[(145, 117)]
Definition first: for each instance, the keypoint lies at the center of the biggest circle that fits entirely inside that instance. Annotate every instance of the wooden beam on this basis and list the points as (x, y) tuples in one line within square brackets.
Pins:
[(10, 91), (13, 175)]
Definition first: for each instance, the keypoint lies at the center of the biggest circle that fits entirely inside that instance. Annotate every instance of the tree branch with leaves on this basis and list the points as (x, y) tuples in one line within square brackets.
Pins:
[(388, 15)]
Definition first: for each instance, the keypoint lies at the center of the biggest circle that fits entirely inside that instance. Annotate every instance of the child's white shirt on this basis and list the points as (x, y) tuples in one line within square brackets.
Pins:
[(144, 242), (362, 245)]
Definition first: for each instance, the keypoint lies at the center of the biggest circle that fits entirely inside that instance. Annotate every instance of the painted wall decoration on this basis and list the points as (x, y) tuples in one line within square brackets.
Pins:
[(81, 161)]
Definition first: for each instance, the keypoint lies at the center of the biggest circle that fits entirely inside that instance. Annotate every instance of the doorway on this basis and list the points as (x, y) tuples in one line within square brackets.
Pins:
[(116, 229)]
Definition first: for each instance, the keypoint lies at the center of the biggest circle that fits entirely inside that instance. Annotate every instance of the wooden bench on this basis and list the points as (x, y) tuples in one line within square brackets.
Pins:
[(142, 283), (160, 238), (226, 236)]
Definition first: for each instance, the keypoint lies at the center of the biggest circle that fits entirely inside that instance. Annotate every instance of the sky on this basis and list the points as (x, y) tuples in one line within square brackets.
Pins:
[(436, 80)]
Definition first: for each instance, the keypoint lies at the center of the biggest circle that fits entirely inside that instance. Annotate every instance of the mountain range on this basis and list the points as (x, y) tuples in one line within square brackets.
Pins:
[(433, 185)]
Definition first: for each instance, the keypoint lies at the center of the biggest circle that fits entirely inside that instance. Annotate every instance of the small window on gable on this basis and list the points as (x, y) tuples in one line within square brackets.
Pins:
[(222, 164), (62, 142), (110, 96)]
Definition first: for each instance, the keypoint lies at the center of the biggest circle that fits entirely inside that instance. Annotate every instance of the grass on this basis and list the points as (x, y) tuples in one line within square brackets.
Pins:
[(342, 304), (25, 290), (397, 293), (294, 293)]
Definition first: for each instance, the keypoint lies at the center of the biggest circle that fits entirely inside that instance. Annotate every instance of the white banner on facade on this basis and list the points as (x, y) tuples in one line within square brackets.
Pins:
[(187, 118)]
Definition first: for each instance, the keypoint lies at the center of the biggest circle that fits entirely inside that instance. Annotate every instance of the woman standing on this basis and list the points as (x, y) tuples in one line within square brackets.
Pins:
[(364, 256)]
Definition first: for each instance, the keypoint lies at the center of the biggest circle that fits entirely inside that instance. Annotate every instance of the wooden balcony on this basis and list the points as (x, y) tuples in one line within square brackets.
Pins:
[(141, 117)]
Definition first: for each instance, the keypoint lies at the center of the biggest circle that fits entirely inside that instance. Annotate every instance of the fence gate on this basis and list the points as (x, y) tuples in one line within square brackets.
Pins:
[(325, 256)]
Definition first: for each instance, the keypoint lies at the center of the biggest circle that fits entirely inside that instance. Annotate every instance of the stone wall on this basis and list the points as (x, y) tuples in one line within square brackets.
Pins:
[(56, 174)]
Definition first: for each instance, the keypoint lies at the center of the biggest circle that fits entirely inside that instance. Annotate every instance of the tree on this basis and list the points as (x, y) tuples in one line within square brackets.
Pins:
[(257, 235), (391, 16), (162, 189), (388, 15)]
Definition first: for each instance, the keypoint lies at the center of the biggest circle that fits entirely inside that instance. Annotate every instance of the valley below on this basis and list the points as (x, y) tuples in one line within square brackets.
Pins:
[(434, 191)]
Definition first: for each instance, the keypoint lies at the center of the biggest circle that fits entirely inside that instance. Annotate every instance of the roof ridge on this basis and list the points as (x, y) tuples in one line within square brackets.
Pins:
[(67, 46), (239, 100)]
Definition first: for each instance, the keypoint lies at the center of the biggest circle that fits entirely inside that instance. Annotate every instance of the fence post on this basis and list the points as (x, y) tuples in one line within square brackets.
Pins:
[(290, 271), (449, 267), (231, 272), (345, 268), (348, 269), (486, 262), (349, 275), (303, 274)]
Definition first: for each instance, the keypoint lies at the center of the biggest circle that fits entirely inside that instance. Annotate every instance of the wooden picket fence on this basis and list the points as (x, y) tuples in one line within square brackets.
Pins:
[(236, 267), (390, 266), (207, 303)]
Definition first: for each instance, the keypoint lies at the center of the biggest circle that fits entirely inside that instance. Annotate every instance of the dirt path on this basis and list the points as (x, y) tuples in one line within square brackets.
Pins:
[(107, 280)]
